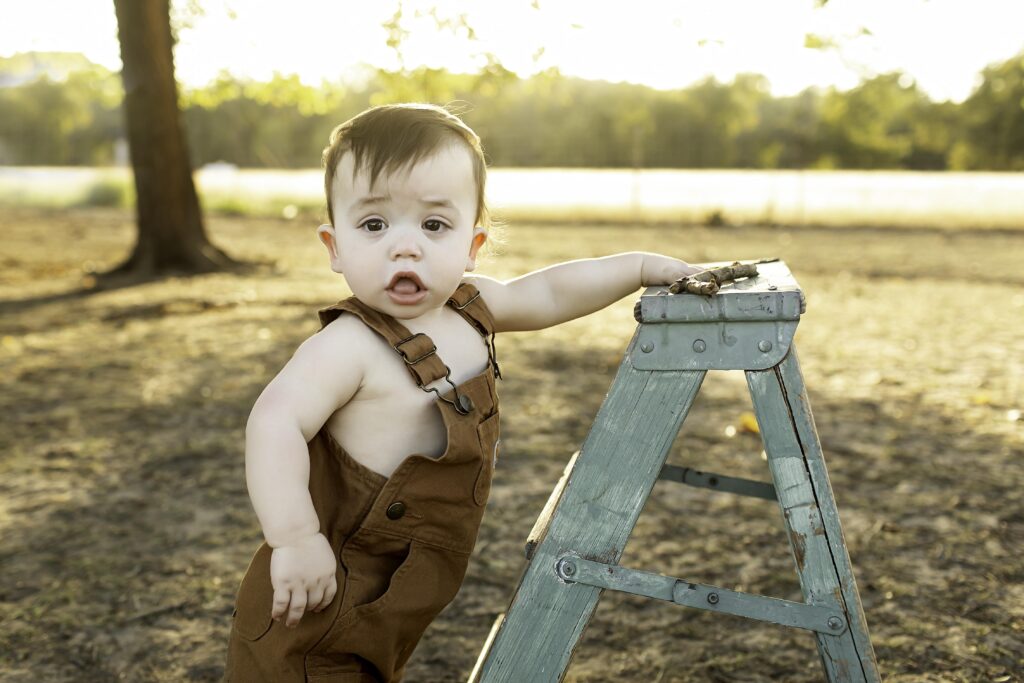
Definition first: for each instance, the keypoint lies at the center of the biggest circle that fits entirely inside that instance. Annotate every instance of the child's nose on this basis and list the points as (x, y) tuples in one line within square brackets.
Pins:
[(406, 245)]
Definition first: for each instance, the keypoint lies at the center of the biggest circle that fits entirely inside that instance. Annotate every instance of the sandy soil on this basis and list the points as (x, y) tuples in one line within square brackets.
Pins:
[(126, 525)]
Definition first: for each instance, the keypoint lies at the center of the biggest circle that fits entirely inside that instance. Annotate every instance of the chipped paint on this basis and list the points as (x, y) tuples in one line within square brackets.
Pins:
[(799, 544)]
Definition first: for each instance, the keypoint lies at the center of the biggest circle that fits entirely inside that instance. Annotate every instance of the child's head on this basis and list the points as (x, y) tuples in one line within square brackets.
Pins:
[(392, 136), (405, 199)]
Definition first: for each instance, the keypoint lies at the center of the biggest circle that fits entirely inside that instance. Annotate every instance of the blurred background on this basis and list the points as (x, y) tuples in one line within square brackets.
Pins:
[(909, 89), (159, 191)]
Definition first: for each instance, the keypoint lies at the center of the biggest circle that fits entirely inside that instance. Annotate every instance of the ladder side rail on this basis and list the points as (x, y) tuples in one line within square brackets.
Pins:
[(618, 465), (540, 527), (795, 391), (801, 511)]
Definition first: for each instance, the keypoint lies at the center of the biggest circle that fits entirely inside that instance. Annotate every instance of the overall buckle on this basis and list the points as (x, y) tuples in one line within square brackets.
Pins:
[(405, 356)]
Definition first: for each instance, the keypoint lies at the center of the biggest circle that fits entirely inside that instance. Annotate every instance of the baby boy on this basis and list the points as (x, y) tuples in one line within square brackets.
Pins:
[(369, 456)]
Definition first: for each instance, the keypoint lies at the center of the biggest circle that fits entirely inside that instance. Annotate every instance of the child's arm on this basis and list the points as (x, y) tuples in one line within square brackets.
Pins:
[(322, 375), (570, 290)]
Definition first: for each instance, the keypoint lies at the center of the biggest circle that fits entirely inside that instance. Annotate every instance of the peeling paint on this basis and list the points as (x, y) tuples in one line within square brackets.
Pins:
[(799, 547)]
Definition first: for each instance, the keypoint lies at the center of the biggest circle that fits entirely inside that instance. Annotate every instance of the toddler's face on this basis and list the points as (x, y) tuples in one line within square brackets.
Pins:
[(404, 246)]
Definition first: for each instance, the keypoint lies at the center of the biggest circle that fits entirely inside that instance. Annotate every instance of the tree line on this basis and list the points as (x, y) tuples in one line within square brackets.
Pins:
[(547, 120)]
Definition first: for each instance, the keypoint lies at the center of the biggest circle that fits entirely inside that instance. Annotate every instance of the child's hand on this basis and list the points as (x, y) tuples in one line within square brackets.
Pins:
[(664, 270), (302, 575)]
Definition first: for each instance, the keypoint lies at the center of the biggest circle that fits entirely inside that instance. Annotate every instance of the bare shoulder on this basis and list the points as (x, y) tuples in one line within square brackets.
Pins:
[(325, 372), (495, 294), (487, 286), (344, 332), (516, 305)]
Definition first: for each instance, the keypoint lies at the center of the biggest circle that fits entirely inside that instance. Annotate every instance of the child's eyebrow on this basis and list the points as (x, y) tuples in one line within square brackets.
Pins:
[(447, 203), (366, 201)]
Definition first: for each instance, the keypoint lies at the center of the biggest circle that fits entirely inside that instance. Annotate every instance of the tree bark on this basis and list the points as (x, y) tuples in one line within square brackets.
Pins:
[(171, 237)]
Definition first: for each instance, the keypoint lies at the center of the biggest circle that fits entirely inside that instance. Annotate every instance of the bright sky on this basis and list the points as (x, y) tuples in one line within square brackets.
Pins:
[(943, 44)]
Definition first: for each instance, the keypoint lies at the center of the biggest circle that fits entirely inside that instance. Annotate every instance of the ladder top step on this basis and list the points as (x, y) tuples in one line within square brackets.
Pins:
[(773, 295)]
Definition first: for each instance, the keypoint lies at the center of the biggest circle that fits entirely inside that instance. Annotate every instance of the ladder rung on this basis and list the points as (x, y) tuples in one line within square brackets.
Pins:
[(818, 618), (717, 482)]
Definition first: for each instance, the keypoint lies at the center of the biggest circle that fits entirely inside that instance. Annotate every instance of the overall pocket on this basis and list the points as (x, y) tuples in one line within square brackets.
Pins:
[(374, 563), (488, 434), (255, 597)]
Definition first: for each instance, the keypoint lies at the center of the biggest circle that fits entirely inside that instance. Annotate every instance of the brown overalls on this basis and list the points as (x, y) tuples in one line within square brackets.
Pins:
[(403, 542)]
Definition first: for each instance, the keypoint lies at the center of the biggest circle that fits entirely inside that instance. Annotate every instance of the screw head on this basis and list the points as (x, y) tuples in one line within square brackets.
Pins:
[(567, 568), (835, 623), (647, 347), (713, 598), (764, 345), (699, 346)]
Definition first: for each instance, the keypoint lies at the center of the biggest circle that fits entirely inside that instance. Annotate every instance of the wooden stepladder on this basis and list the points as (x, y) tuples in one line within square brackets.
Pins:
[(575, 547)]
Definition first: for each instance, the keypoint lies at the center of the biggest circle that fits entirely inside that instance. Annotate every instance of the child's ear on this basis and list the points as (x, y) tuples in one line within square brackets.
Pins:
[(479, 237), (326, 234)]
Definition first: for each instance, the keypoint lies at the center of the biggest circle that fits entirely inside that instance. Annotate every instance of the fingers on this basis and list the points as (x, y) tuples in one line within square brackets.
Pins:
[(297, 609), (316, 596), (282, 597), (289, 605), (329, 590), (292, 604)]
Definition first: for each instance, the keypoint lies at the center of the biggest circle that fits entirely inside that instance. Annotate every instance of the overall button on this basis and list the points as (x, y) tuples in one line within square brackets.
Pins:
[(395, 510)]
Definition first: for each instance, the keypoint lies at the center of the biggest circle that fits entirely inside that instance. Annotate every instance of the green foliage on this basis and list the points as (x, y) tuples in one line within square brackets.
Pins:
[(62, 113), (67, 113), (993, 120), (108, 192)]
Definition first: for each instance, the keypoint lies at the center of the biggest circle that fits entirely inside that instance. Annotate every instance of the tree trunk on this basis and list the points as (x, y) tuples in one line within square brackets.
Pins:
[(171, 237)]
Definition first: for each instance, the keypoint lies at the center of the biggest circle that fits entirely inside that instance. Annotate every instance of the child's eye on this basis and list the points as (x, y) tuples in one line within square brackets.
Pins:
[(373, 225), (434, 225)]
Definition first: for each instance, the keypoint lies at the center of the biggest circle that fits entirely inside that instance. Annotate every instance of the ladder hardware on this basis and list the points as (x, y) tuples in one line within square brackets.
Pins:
[(720, 345), (717, 482), (819, 618)]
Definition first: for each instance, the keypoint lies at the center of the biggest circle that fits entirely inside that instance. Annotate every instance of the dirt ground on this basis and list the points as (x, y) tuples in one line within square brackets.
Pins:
[(126, 525)]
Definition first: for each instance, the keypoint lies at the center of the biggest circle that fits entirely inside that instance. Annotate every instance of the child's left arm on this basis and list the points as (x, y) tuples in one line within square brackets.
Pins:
[(570, 290)]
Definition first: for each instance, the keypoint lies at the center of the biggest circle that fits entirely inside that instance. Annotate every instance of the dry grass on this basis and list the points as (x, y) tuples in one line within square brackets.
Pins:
[(126, 525)]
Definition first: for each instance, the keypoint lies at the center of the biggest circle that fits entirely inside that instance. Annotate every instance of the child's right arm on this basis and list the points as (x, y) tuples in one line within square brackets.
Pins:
[(323, 374)]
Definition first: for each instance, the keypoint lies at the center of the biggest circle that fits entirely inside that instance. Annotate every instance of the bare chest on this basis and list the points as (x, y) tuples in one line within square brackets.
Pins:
[(389, 417)]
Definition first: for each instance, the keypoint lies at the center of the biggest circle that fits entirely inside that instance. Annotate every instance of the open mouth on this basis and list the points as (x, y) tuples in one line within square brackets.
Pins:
[(406, 288)]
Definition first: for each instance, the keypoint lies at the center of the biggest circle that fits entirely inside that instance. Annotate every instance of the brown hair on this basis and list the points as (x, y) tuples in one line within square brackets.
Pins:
[(388, 137)]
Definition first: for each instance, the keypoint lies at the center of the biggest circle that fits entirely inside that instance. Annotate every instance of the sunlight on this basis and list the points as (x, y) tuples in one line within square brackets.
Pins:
[(940, 43)]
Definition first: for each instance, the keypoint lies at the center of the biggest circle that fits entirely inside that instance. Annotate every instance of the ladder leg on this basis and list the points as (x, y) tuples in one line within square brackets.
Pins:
[(810, 515), (614, 473)]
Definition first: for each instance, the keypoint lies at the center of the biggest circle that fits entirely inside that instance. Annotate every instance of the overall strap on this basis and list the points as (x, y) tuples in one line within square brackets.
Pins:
[(470, 305), (417, 350)]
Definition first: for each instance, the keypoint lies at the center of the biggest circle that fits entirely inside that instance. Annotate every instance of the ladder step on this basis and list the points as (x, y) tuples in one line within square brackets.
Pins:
[(717, 482), (818, 618)]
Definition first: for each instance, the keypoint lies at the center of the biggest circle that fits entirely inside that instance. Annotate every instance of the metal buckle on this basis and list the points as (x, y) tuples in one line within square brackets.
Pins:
[(462, 403), (471, 300), (405, 357)]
